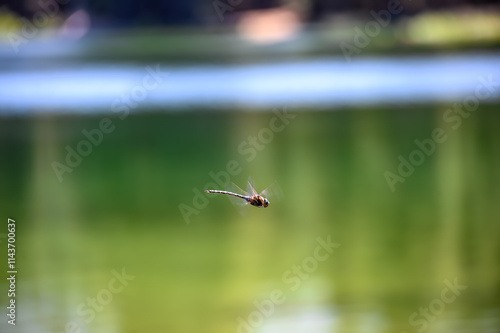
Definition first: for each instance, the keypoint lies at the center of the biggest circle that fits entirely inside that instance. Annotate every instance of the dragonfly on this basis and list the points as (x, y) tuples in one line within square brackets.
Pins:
[(251, 197)]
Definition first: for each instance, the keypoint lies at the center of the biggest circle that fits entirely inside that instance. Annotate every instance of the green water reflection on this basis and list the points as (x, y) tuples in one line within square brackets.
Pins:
[(119, 210)]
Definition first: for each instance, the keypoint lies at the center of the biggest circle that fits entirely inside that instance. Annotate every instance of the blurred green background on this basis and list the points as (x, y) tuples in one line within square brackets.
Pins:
[(109, 250), (119, 209)]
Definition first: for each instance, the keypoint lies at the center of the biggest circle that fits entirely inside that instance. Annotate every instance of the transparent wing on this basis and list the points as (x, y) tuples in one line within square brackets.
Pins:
[(251, 187), (273, 192), (232, 187)]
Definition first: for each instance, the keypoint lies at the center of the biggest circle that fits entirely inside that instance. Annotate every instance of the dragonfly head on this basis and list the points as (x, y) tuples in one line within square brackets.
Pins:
[(266, 202)]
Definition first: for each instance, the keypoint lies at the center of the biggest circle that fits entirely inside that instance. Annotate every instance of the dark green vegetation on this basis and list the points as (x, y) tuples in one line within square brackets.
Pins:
[(119, 208)]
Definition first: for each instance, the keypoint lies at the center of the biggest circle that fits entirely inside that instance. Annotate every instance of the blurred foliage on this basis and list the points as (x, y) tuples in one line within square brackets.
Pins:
[(429, 31)]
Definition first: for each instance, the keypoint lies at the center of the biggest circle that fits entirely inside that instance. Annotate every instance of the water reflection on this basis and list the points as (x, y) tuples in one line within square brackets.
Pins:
[(119, 208), (319, 82)]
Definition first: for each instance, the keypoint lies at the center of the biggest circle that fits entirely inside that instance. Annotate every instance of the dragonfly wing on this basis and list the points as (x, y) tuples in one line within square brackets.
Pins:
[(273, 192), (232, 187), (251, 187)]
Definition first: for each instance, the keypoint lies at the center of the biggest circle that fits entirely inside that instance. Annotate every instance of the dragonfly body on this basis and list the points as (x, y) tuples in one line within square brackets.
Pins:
[(256, 200)]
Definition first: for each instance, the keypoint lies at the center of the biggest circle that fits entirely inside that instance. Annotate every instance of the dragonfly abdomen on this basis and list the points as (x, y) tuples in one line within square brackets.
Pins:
[(228, 193)]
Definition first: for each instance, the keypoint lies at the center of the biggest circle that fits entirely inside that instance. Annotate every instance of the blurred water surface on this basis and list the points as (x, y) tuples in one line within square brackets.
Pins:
[(313, 82), (119, 210)]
